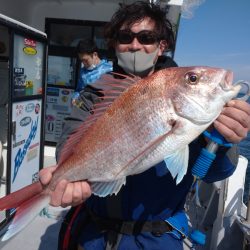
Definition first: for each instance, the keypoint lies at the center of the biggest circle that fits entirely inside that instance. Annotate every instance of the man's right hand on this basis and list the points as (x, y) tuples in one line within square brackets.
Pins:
[(66, 193)]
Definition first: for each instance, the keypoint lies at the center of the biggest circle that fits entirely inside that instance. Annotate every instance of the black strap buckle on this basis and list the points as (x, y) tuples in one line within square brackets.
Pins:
[(160, 227)]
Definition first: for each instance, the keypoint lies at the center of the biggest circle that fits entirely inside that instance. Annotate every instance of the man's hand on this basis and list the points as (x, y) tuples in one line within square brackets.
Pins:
[(234, 121), (65, 193)]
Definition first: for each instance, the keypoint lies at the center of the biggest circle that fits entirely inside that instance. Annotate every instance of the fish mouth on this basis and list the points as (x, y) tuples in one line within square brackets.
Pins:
[(230, 89), (227, 81), (228, 86)]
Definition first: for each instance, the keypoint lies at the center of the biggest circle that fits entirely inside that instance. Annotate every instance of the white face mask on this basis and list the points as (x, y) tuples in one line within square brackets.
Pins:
[(138, 63)]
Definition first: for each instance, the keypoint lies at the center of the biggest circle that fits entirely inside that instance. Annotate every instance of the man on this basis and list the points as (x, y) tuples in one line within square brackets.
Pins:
[(147, 213), (92, 66)]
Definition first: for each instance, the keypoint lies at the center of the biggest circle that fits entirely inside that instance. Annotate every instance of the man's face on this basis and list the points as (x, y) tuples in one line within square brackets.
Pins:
[(145, 25), (87, 59)]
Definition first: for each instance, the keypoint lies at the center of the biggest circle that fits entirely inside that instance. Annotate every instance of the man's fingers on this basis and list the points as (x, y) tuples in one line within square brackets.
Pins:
[(77, 195), (238, 115), (70, 194), (227, 133), (86, 190), (234, 125), (67, 198), (81, 192), (57, 194), (239, 104), (45, 174)]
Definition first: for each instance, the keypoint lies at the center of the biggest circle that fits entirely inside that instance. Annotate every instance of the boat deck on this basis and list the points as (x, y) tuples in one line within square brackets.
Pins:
[(41, 234)]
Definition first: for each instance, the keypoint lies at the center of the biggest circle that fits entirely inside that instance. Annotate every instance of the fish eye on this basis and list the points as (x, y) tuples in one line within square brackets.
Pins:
[(191, 78)]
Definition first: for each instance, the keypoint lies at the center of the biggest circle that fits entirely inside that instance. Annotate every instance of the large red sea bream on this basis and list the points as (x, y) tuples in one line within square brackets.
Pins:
[(137, 124)]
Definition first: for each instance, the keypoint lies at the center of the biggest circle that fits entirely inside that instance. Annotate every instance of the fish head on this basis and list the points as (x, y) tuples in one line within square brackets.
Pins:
[(201, 92)]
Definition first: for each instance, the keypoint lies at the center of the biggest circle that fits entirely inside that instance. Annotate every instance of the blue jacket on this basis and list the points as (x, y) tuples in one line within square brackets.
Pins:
[(88, 77)]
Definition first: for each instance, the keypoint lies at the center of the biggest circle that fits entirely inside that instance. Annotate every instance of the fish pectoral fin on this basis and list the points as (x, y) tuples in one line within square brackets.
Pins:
[(103, 189), (177, 163)]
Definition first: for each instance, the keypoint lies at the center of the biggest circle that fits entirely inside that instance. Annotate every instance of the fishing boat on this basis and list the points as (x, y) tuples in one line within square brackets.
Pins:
[(38, 72)]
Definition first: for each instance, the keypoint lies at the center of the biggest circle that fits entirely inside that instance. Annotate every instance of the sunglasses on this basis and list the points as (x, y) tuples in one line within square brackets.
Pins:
[(144, 37)]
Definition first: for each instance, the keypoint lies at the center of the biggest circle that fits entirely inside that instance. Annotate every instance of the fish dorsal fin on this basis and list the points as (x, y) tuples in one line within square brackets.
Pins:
[(115, 79), (109, 88)]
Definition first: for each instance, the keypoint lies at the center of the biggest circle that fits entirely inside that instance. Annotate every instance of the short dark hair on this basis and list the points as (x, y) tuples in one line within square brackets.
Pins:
[(86, 46), (130, 14)]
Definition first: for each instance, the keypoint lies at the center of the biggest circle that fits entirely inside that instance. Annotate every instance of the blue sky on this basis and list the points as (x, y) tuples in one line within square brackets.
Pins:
[(217, 35)]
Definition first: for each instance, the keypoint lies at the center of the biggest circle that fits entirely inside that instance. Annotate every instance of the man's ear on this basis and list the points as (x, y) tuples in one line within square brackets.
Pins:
[(163, 46)]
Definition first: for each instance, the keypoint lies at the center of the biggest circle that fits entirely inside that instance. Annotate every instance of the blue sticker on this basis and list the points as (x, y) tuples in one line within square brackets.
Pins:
[(22, 152)]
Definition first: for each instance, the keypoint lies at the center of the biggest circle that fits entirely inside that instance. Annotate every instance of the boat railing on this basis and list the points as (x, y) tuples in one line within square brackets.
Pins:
[(221, 213)]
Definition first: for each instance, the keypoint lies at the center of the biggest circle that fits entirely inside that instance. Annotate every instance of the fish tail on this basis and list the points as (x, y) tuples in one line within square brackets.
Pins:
[(14, 199), (28, 201)]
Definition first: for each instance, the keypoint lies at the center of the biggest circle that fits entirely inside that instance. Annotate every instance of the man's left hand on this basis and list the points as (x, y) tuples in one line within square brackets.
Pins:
[(234, 121)]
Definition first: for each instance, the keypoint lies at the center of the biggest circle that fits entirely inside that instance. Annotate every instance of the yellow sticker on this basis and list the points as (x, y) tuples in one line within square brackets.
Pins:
[(29, 50)]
